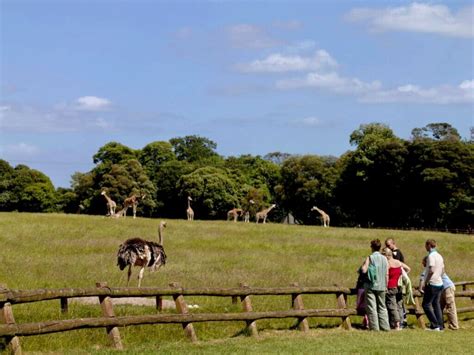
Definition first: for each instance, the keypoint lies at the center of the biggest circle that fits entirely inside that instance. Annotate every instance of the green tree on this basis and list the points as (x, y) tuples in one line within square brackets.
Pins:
[(306, 181), (114, 153), (26, 190), (118, 172), (212, 191), (153, 155), (437, 131), (439, 190), (168, 201), (369, 190), (194, 149)]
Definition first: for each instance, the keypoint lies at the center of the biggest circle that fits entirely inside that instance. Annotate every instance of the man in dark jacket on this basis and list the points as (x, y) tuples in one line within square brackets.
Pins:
[(397, 254)]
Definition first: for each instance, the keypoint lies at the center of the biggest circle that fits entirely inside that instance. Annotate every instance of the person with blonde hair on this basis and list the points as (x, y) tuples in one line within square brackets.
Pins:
[(394, 297)]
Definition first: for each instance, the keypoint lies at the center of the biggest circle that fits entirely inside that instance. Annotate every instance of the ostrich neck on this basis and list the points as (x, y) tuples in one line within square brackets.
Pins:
[(160, 235)]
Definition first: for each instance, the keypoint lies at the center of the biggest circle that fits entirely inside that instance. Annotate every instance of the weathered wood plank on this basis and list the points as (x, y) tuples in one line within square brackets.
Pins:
[(6, 316), (28, 329), (108, 311), (297, 303), (25, 296), (182, 308)]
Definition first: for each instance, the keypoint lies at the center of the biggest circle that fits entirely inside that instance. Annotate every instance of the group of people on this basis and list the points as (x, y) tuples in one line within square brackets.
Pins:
[(384, 287)]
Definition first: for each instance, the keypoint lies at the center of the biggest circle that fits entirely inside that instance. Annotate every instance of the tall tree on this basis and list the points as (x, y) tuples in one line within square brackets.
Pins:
[(212, 191), (26, 190), (306, 181), (369, 187), (437, 131), (194, 149)]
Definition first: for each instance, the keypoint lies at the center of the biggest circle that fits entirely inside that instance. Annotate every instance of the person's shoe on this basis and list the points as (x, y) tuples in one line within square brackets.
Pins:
[(437, 329)]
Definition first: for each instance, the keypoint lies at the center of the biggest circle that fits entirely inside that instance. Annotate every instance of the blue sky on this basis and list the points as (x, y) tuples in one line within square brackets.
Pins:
[(254, 76)]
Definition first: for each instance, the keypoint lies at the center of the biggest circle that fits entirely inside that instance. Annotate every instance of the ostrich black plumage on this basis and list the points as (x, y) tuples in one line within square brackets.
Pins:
[(143, 253)]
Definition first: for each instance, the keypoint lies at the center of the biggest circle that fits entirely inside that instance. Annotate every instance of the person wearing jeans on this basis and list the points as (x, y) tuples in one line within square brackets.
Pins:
[(376, 267), (432, 286)]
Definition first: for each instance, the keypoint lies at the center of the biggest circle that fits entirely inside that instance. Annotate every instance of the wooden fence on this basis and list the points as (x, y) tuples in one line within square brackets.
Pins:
[(11, 331)]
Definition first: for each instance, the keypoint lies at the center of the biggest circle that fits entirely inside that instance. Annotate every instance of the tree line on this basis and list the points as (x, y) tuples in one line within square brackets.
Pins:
[(385, 181)]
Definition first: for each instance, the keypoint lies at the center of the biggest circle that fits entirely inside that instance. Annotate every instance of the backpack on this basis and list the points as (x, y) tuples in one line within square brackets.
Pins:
[(372, 272)]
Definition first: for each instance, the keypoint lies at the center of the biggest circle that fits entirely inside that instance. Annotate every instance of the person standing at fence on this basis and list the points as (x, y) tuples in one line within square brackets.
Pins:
[(394, 297), (360, 301), (432, 286), (376, 267), (448, 302)]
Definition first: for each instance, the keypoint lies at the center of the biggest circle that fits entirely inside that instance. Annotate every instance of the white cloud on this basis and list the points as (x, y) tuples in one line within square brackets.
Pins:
[(310, 121), (467, 85), (373, 92), (418, 17), (59, 118), (250, 36), (278, 63), (329, 81), (444, 94), (92, 103), (21, 150)]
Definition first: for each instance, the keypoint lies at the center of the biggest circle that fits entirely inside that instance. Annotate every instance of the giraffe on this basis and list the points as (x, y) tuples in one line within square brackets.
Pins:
[(121, 213), (111, 205), (263, 214), (132, 201), (234, 214), (324, 216), (189, 211)]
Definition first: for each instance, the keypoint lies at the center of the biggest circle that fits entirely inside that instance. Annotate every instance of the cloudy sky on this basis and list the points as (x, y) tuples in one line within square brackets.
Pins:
[(254, 76)]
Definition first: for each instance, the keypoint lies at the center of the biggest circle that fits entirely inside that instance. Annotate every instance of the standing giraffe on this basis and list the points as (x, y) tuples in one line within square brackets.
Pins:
[(111, 205), (263, 214), (189, 211), (132, 201), (324, 216), (234, 214)]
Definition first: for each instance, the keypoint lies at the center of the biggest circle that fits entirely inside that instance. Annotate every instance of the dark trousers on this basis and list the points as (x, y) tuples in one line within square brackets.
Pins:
[(432, 305)]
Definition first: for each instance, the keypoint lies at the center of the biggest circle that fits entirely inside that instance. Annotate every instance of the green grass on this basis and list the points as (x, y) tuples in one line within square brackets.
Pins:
[(58, 251)]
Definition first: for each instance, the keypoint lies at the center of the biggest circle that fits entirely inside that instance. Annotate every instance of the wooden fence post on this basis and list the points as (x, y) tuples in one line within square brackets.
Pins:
[(341, 303), (247, 307), (159, 303), (182, 308), (419, 313), (64, 304), (6, 317), (297, 303), (108, 311)]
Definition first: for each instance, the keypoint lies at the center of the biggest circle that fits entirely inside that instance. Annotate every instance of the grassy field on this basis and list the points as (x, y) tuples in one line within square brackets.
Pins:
[(57, 251)]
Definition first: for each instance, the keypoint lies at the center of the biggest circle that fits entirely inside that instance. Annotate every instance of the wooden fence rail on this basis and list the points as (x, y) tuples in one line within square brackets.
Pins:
[(11, 331)]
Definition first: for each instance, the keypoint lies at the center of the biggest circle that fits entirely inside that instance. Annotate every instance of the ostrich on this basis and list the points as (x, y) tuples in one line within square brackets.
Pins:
[(143, 253)]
